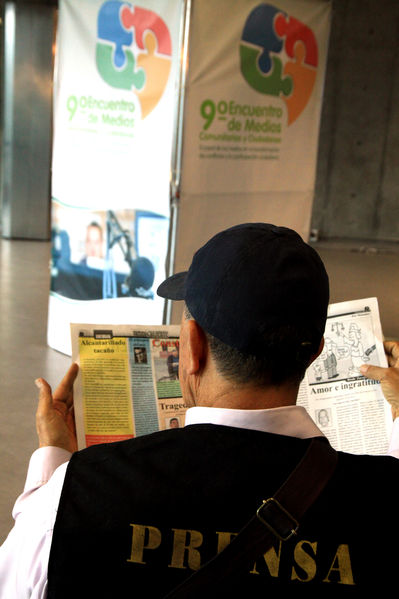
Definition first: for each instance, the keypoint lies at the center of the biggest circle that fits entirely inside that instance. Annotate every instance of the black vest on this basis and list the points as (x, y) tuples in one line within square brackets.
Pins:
[(137, 517)]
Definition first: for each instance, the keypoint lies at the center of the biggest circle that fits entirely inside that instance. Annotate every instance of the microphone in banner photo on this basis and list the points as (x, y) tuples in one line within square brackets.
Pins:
[(140, 279)]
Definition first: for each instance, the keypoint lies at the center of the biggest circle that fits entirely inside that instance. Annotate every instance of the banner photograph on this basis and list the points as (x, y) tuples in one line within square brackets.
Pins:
[(114, 112)]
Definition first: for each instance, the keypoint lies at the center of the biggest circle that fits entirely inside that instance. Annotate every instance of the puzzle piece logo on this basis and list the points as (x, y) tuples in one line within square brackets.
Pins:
[(279, 57), (133, 51)]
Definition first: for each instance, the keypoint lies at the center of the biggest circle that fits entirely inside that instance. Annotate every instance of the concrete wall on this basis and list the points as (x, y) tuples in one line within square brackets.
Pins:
[(357, 188)]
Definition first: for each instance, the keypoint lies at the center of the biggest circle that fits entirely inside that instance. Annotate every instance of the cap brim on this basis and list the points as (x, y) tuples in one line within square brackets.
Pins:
[(174, 287)]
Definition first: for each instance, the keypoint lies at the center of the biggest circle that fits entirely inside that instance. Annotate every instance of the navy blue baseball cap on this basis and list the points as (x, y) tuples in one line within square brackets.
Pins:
[(250, 279)]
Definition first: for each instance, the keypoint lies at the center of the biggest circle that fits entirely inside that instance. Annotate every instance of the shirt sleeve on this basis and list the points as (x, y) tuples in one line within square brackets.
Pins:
[(24, 554)]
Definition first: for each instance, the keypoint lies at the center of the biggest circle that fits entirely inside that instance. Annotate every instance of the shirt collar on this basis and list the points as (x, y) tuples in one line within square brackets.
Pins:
[(292, 421)]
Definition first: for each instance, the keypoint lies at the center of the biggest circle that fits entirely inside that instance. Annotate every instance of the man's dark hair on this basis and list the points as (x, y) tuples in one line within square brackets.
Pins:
[(285, 358)]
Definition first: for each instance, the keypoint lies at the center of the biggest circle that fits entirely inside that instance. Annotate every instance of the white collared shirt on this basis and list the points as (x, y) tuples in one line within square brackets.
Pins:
[(24, 555), (293, 421)]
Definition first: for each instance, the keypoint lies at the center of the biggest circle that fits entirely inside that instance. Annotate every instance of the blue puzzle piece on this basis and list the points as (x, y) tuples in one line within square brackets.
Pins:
[(111, 29), (259, 30)]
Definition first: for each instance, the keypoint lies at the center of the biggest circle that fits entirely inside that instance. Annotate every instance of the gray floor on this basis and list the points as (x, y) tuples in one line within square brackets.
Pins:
[(24, 277), (24, 280)]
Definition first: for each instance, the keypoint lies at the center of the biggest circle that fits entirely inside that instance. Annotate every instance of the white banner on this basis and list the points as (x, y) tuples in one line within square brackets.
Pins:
[(253, 98), (252, 110), (117, 66)]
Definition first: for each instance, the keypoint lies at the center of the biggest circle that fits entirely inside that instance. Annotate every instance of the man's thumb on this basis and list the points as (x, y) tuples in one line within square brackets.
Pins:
[(376, 373), (45, 398)]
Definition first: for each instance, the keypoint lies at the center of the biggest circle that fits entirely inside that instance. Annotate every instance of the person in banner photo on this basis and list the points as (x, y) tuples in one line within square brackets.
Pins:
[(95, 255), (141, 516), (94, 243)]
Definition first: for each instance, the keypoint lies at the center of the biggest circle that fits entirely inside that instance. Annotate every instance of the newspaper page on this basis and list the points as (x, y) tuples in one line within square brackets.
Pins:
[(128, 382), (348, 408)]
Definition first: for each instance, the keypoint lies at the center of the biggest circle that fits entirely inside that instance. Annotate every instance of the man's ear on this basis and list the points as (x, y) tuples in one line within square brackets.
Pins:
[(195, 346)]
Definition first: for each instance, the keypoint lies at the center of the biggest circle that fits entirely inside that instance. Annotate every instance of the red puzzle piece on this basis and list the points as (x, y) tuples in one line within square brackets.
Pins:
[(142, 19), (294, 31)]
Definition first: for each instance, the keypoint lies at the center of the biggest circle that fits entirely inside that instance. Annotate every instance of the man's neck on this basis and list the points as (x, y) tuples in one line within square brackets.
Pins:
[(248, 397)]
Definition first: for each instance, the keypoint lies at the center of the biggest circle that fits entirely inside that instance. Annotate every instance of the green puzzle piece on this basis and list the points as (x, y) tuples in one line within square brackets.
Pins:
[(271, 84), (126, 78)]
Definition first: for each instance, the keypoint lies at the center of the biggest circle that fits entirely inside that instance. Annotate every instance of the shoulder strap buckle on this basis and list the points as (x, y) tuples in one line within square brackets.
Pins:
[(277, 519)]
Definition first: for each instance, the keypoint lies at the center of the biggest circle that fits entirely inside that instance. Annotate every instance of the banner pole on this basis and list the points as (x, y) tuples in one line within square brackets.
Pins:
[(177, 152)]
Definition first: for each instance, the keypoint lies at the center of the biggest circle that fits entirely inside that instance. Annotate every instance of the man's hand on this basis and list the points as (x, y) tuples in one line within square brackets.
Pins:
[(388, 377), (55, 422)]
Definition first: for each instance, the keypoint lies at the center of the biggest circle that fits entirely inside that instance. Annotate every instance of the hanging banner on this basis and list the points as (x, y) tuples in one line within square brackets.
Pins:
[(117, 65), (251, 124)]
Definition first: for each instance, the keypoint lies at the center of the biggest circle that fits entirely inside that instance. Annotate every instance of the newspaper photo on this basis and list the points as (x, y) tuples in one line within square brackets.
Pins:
[(348, 408), (128, 381)]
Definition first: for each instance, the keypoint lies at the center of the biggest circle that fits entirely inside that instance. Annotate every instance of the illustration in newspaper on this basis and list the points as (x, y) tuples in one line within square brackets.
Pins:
[(349, 342)]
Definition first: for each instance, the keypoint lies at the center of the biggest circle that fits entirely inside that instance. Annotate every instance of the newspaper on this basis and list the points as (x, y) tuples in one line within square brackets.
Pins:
[(348, 408), (128, 381)]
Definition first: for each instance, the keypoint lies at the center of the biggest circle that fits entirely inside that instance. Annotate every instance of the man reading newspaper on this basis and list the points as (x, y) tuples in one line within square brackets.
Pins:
[(134, 518)]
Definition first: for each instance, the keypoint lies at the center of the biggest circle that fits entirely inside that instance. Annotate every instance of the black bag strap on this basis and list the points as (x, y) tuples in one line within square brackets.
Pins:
[(277, 516)]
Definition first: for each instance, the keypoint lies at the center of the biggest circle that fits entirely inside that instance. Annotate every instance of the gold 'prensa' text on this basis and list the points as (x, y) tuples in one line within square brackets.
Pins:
[(186, 544)]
